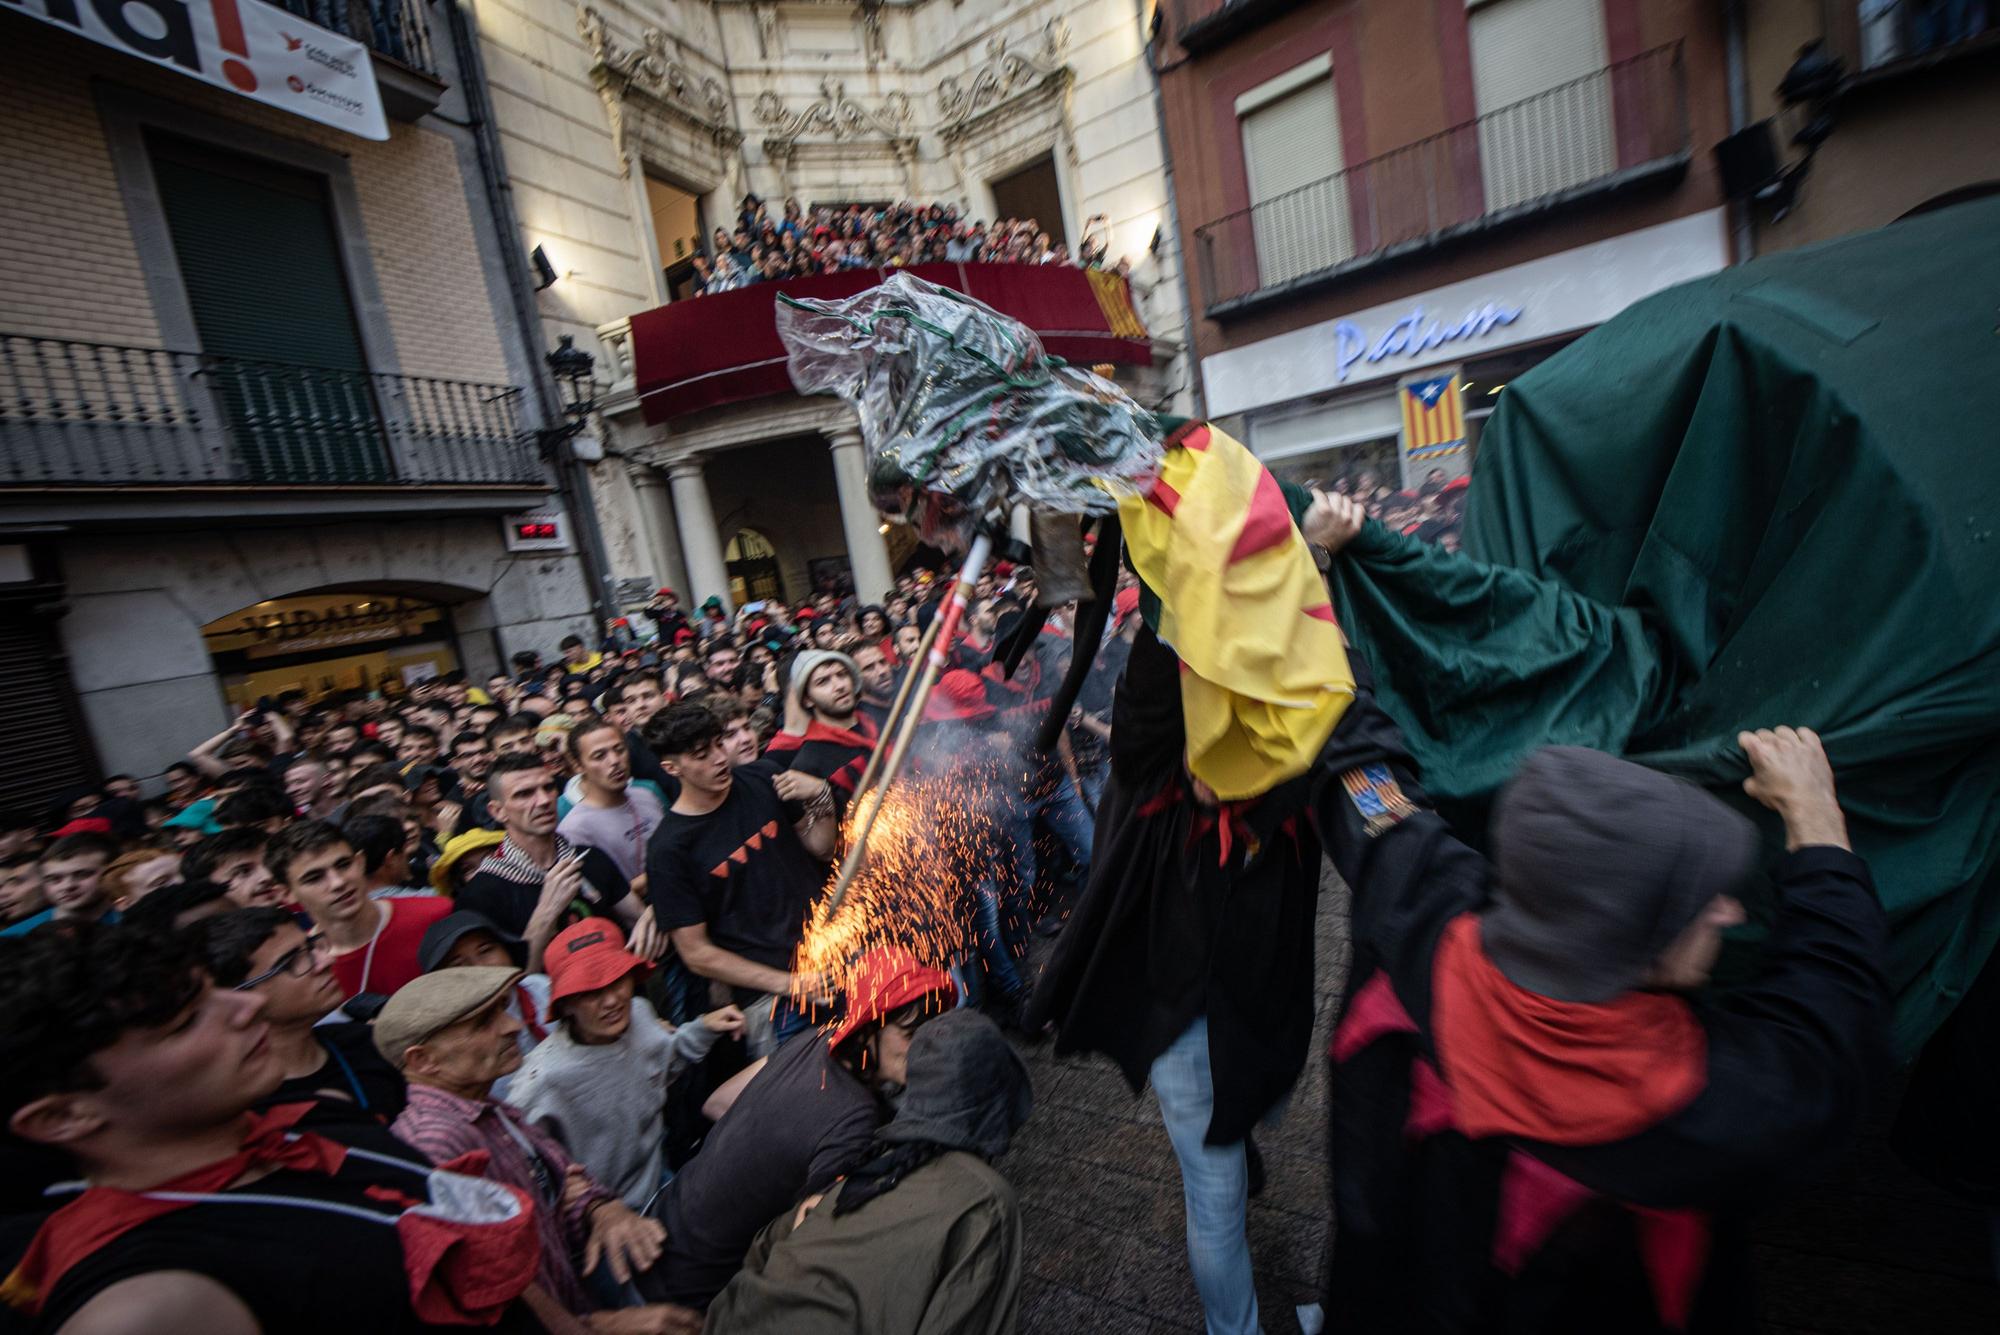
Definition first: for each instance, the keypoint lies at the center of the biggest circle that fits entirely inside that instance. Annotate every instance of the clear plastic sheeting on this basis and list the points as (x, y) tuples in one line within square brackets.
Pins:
[(963, 410)]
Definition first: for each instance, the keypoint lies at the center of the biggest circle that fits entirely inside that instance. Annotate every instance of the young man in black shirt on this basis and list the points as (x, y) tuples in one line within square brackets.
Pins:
[(734, 867), (536, 883), (118, 1051), (334, 1067)]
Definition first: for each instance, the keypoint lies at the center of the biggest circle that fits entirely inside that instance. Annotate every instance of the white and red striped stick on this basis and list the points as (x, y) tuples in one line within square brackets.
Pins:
[(906, 727)]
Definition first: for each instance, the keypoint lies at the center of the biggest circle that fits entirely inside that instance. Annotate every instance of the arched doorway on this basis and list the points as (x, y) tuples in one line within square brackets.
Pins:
[(325, 642), (753, 568)]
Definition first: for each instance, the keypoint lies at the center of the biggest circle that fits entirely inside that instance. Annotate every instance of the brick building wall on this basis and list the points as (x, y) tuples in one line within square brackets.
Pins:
[(71, 269), (1402, 73)]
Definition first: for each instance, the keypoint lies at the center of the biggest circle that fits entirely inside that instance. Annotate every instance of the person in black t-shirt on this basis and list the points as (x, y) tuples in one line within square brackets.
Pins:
[(536, 883), (334, 1067), (734, 867), (117, 1050)]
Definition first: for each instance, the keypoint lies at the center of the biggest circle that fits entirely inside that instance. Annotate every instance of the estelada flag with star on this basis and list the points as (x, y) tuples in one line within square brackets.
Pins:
[(1433, 418), (1264, 674)]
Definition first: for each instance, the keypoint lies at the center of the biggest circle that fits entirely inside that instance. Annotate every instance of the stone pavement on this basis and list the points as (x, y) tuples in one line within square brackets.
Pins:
[(1872, 1250)]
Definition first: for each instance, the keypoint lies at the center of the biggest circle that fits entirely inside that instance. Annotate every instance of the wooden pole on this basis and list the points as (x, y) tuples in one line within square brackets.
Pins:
[(947, 632), (890, 720)]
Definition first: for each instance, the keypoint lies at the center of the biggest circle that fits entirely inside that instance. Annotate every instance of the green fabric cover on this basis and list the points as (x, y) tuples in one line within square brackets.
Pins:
[(1767, 497)]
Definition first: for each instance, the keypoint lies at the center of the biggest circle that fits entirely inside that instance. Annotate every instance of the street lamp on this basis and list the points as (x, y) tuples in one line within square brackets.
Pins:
[(572, 367)]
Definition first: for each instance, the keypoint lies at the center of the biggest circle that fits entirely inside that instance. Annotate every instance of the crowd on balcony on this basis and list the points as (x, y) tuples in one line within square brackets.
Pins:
[(488, 1002), (794, 243)]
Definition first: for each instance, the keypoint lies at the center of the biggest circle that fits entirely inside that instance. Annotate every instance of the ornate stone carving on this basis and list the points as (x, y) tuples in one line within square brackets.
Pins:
[(1004, 76), (654, 69), (835, 116)]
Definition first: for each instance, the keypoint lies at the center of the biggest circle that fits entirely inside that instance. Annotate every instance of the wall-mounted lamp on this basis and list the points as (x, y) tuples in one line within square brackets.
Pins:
[(545, 272)]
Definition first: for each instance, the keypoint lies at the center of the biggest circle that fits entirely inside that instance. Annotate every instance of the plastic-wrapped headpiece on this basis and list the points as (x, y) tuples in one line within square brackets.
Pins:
[(962, 409)]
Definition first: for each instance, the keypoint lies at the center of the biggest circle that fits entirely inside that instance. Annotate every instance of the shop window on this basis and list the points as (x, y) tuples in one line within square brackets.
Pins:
[(326, 642)]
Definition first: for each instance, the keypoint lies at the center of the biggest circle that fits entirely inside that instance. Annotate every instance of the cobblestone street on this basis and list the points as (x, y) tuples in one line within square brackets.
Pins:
[(1106, 1241)]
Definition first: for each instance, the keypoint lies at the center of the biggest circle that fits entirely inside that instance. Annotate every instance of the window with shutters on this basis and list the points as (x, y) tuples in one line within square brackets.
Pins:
[(1292, 156), (1544, 97), (260, 258)]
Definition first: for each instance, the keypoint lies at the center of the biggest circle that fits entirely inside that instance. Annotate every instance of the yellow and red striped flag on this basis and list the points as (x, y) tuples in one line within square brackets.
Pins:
[(1265, 676), (1433, 418)]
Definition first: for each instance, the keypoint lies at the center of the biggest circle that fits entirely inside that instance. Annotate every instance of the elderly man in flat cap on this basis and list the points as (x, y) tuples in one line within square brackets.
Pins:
[(452, 1036)]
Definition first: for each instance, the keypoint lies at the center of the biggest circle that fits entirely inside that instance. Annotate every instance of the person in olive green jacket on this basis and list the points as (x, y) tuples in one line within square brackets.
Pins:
[(924, 1238)]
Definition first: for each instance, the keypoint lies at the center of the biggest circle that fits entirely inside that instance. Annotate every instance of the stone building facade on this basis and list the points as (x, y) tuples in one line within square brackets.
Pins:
[(270, 402), (632, 128)]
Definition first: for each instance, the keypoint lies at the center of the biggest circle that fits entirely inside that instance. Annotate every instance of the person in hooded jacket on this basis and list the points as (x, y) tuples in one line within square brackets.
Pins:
[(826, 734), (1542, 1116), (922, 1236)]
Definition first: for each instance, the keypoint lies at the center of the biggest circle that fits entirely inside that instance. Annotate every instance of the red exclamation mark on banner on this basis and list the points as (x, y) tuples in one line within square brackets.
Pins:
[(229, 31)]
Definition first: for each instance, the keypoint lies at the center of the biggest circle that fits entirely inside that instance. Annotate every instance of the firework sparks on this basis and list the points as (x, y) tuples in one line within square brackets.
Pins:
[(934, 843)]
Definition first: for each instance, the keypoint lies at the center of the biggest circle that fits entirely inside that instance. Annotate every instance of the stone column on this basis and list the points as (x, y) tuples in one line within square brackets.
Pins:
[(866, 554), (707, 574), (662, 534)]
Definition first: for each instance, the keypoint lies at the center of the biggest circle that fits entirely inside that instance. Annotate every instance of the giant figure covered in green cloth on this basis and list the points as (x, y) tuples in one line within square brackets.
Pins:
[(1771, 496)]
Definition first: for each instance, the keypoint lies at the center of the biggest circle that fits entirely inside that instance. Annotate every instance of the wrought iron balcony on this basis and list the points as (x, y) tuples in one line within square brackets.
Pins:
[(1611, 129), (78, 414), (398, 29)]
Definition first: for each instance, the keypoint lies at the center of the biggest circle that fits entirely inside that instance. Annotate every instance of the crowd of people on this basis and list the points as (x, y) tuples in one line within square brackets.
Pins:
[(768, 245), (511, 965), (485, 1004), (1433, 511)]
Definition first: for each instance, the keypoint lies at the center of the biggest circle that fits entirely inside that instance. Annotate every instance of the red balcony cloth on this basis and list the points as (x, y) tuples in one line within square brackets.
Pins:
[(725, 348)]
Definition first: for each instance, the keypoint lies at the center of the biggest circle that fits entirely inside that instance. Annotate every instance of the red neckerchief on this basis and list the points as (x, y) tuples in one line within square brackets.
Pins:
[(468, 1253), (102, 1215), (862, 736), (1229, 820), (1534, 1199), (1522, 1064)]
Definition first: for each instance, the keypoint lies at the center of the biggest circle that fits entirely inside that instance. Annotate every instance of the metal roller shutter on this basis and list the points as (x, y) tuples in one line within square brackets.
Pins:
[(46, 746)]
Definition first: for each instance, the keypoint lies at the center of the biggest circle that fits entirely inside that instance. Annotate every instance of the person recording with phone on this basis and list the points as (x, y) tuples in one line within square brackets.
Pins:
[(536, 882)]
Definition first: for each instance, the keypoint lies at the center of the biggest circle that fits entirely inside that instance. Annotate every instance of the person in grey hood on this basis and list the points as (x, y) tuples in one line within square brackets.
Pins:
[(1545, 1111), (925, 1235)]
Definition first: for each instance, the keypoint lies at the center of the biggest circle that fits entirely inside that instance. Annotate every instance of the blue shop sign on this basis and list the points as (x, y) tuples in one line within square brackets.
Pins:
[(1414, 335)]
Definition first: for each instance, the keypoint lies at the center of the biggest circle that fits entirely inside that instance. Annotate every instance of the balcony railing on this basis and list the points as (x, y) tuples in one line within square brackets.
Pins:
[(84, 414), (397, 29), (1881, 37), (1619, 124)]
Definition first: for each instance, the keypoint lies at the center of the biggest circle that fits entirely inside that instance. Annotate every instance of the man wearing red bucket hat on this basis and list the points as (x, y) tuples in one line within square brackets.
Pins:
[(598, 1082), (805, 1119)]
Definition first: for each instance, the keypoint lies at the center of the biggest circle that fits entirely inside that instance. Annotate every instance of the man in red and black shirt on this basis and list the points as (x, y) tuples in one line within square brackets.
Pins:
[(826, 735), (198, 1214)]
